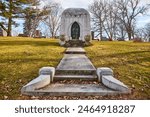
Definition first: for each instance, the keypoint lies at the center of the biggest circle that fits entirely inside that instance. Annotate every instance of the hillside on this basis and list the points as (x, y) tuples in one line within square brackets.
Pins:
[(21, 58)]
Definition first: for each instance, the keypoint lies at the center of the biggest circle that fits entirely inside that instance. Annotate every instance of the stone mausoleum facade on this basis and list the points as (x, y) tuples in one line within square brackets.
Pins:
[(75, 24)]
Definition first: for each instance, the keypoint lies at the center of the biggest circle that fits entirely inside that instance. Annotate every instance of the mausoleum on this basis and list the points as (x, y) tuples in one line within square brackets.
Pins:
[(75, 24)]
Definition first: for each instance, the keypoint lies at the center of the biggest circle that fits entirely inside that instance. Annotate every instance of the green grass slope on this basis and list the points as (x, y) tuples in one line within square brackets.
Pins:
[(130, 62), (20, 60)]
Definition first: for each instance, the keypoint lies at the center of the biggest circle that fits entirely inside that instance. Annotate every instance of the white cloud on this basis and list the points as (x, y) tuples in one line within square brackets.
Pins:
[(142, 21), (80, 3), (72, 3)]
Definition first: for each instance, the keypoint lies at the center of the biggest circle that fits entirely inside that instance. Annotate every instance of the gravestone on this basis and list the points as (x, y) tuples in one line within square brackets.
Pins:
[(75, 24), (3, 32)]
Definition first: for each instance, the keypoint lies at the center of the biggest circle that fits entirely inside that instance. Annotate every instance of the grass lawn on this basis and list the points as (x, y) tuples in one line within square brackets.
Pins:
[(21, 58), (130, 62)]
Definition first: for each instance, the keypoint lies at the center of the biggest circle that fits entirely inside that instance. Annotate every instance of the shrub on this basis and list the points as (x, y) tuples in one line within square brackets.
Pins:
[(62, 38), (137, 40), (67, 44), (86, 44), (87, 38)]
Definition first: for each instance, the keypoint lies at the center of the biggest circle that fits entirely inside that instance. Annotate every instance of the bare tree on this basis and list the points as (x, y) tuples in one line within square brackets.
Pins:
[(110, 24), (144, 33), (128, 10), (52, 20), (117, 18), (141, 33), (147, 27), (98, 10), (121, 33)]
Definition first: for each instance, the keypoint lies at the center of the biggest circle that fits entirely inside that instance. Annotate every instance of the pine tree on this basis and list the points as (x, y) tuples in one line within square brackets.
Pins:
[(11, 9), (30, 15), (33, 17)]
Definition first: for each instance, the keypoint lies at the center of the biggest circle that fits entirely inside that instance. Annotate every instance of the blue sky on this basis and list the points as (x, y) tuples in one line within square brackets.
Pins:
[(141, 20)]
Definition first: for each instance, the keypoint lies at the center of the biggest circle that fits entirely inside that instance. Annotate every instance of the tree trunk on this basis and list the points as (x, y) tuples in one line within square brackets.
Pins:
[(101, 34), (9, 27), (129, 31), (10, 18), (129, 35), (3, 27)]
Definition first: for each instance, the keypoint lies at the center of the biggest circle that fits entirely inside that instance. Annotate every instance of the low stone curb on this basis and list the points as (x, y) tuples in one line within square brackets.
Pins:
[(103, 71), (105, 75), (48, 71), (39, 82), (114, 84), (46, 75)]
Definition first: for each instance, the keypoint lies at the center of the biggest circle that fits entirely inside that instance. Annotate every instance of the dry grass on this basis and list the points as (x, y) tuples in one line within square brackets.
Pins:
[(21, 58), (130, 62)]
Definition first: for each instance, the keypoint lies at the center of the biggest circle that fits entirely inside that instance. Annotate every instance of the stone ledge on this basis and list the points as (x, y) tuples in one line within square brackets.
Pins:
[(75, 77), (47, 71), (75, 50), (103, 71), (58, 89), (37, 83), (114, 84), (46, 75)]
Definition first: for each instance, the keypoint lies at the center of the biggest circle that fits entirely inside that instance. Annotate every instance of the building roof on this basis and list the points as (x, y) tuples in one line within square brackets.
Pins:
[(75, 11)]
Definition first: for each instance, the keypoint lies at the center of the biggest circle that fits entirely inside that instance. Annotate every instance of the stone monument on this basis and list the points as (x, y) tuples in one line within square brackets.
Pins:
[(75, 24), (3, 32)]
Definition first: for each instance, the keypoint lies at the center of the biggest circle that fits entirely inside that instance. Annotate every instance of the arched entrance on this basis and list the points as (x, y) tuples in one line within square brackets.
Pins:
[(75, 31)]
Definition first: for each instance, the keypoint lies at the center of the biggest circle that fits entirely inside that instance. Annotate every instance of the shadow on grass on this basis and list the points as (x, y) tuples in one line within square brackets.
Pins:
[(34, 43), (133, 62), (123, 54), (29, 60), (131, 59)]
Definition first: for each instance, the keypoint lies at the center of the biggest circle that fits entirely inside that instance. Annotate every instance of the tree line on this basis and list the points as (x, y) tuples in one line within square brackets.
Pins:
[(33, 15), (117, 18)]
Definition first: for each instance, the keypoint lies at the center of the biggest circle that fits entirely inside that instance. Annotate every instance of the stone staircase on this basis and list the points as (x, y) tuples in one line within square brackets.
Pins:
[(75, 76), (75, 66), (88, 75)]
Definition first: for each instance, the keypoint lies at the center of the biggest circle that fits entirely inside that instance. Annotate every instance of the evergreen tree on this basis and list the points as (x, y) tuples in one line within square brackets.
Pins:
[(11, 9), (33, 17)]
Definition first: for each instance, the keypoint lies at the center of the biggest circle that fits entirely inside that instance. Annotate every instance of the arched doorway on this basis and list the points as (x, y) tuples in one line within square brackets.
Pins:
[(75, 31)]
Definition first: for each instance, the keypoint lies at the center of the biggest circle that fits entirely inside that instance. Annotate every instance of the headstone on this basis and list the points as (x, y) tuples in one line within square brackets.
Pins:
[(38, 34), (92, 33), (3, 32), (104, 39)]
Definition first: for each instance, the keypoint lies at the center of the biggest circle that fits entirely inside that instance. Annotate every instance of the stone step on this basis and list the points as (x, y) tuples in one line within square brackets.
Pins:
[(75, 64), (58, 89), (75, 50), (75, 72), (76, 43), (75, 77)]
